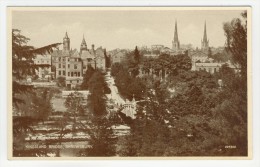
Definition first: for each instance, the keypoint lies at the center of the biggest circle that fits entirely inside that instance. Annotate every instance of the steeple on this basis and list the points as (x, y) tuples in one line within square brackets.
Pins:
[(205, 41), (205, 33), (83, 45), (176, 33), (66, 42), (175, 42)]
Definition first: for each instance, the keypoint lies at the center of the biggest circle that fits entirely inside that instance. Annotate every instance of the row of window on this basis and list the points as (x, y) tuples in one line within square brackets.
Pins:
[(63, 66), (63, 72), (75, 74), (209, 69), (43, 62), (70, 74), (64, 59)]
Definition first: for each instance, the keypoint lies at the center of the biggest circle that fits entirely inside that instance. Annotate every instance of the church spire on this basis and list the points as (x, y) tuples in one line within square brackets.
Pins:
[(205, 33), (175, 42), (205, 41), (175, 33)]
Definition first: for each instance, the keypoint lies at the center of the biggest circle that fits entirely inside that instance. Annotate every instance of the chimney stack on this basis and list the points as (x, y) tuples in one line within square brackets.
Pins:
[(93, 46)]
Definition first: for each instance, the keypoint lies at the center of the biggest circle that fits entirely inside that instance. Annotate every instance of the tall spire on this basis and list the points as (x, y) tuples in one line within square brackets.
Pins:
[(175, 42), (205, 33), (176, 33), (205, 41)]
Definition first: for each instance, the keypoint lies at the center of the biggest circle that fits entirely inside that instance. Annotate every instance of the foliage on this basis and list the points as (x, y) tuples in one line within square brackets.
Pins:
[(74, 104), (102, 139), (28, 112), (116, 68), (22, 62), (221, 56), (97, 89), (236, 43), (90, 71)]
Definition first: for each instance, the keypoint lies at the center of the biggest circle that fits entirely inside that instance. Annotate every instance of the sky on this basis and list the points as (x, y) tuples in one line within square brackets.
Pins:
[(122, 28)]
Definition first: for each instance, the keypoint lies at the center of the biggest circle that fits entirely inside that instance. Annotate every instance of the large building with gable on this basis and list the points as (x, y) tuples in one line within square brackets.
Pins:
[(72, 65)]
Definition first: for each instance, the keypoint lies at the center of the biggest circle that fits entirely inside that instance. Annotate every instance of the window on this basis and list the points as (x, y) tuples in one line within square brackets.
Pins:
[(75, 66), (72, 74), (59, 59), (70, 81), (64, 73), (68, 65), (59, 65), (68, 59), (79, 74), (75, 73), (68, 73), (63, 66), (215, 70), (59, 72), (63, 59), (77, 81)]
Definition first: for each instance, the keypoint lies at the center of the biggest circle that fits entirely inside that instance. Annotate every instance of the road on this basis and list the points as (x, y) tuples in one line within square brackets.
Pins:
[(114, 91)]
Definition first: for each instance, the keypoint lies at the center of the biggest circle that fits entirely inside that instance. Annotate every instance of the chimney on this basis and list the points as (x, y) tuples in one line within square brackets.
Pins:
[(93, 46)]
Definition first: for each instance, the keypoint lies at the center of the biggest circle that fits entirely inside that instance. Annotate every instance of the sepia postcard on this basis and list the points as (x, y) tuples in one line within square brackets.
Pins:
[(129, 83)]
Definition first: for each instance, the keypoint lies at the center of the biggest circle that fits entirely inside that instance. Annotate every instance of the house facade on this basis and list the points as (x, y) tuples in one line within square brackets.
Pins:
[(72, 65)]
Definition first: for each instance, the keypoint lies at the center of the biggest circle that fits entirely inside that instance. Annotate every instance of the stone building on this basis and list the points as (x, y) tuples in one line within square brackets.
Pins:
[(72, 64), (209, 67), (118, 57)]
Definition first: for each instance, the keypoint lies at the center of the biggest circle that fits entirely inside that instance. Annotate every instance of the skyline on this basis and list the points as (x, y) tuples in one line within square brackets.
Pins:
[(123, 29)]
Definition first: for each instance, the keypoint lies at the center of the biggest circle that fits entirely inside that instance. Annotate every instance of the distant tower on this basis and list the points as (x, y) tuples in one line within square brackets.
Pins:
[(83, 45), (66, 43), (175, 42), (205, 41)]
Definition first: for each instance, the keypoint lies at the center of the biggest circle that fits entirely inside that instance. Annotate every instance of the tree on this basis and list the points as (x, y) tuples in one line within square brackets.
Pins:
[(74, 105), (137, 56), (116, 68), (102, 140), (236, 41), (209, 52), (22, 67), (22, 62), (90, 71), (97, 89)]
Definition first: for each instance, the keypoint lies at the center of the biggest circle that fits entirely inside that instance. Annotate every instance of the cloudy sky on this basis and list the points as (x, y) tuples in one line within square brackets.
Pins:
[(122, 28)]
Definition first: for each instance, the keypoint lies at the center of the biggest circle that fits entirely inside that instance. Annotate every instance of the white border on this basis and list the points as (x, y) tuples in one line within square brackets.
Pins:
[(200, 163)]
